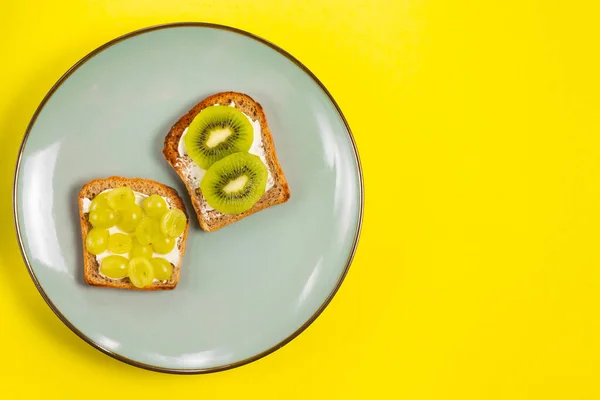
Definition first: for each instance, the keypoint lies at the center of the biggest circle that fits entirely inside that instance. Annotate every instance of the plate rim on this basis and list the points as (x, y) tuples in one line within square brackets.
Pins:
[(155, 368)]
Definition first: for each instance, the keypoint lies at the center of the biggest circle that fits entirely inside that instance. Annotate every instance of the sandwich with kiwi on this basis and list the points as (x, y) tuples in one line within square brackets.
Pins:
[(223, 151)]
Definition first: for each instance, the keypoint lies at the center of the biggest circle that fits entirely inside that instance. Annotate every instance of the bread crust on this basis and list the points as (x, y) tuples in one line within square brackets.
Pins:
[(212, 220), (145, 186)]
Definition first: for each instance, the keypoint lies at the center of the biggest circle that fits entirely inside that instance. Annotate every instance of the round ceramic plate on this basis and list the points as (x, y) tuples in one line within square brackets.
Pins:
[(245, 290)]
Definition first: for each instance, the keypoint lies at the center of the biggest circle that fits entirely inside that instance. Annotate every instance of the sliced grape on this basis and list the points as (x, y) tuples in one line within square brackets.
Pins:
[(163, 244), (121, 197), (120, 243), (139, 250), (141, 272), (97, 240), (131, 216), (103, 218), (172, 223), (147, 231), (163, 270), (114, 267), (100, 201), (155, 206)]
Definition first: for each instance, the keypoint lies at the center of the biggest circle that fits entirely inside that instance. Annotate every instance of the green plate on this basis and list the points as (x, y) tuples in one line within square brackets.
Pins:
[(244, 290)]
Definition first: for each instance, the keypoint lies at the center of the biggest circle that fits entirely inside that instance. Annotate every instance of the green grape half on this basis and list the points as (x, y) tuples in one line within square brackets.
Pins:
[(100, 201), (147, 231), (103, 218), (139, 250), (163, 244), (131, 216), (120, 198), (163, 270), (97, 240), (155, 206), (120, 243), (173, 222), (141, 272), (114, 267)]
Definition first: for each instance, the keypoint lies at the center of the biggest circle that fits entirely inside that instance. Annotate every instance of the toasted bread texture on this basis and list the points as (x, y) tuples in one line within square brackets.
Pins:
[(147, 187), (210, 220)]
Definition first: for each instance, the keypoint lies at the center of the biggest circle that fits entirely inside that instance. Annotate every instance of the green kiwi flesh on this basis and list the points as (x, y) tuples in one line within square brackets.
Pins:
[(235, 183), (217, 132)]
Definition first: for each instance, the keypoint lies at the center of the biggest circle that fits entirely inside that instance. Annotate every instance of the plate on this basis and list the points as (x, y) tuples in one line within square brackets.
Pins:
[(245, 290)]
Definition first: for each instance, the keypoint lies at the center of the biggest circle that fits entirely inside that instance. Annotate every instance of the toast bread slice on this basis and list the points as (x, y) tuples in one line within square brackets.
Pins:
[(210, 220), (148, 187)]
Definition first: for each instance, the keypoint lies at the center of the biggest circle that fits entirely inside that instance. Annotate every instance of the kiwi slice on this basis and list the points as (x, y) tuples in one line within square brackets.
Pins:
[(217, 132), (234, 184)]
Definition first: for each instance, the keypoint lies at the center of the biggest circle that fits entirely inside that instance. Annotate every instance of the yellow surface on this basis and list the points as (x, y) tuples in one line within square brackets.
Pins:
[(478, 270)]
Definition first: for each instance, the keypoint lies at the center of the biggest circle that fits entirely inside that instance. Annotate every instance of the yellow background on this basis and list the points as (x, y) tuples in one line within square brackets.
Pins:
[(478, 270)]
